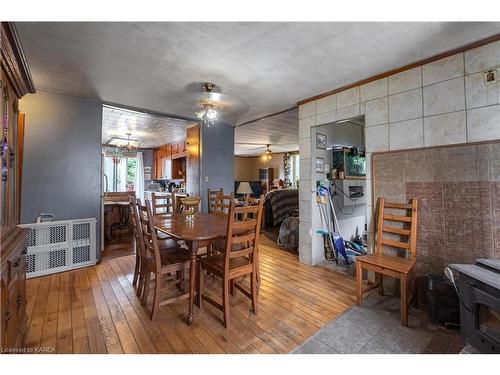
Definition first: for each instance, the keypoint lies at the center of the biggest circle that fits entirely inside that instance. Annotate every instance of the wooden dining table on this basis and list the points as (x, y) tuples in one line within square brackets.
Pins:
[(197, 234)]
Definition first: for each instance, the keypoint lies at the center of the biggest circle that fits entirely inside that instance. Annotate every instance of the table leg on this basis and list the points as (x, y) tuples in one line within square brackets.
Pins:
[(193, 245)]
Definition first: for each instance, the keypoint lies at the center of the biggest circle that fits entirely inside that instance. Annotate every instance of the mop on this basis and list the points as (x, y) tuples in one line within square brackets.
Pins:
[(330, 252), (335, 239)]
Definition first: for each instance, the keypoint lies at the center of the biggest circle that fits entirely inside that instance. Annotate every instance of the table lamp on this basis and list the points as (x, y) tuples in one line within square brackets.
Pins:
[(244, 188)]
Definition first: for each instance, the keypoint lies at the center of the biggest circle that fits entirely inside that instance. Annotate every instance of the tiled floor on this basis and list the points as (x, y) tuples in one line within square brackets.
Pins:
[(375, 328)]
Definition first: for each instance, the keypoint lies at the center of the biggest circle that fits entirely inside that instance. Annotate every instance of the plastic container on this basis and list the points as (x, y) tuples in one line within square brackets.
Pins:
[(443, 305)]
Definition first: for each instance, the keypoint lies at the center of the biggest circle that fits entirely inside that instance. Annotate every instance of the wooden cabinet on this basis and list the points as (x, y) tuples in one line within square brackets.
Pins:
[(170, 161), (192, 147), (15, 82), (13, 290)]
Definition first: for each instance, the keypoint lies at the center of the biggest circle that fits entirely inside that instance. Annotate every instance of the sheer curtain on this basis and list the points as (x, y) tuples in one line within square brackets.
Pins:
[(139, 177)]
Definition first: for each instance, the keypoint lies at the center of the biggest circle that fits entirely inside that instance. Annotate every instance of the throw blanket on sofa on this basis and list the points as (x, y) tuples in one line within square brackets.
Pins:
[(281, 203)]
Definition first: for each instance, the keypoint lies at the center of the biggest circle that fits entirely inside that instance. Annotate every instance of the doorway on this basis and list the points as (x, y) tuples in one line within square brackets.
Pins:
[(339, 163)]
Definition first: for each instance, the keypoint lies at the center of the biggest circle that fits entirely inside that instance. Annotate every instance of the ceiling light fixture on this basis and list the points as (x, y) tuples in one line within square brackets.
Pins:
[(268, 154), (208, 111), (128, 147)]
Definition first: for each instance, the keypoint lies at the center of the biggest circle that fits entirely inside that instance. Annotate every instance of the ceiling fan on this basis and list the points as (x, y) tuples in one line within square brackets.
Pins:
[(267, 155), (213, 105)]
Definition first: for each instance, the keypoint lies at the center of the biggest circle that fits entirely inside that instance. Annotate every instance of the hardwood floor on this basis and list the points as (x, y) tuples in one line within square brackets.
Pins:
[(95, 310)]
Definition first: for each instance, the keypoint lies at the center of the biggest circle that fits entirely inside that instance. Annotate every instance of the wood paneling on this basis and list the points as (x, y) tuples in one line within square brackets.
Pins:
[(192, 146), (99, 304)]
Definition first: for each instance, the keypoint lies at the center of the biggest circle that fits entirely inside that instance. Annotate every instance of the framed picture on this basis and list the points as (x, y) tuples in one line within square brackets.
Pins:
[(320, 165), (321, 141)]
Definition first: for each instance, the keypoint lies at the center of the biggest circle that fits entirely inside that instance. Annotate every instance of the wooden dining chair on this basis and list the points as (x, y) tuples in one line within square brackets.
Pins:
[(136, 239), (212, 198), (238, 258), (163, 204), (168, 265), (222, 203), (403, 238)]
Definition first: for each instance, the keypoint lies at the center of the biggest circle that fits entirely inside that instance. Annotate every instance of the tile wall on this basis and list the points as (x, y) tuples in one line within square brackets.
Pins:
[(441, 103), (459, 202)]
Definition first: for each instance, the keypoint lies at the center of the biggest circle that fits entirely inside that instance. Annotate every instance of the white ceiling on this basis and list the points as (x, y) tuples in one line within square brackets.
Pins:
[(271, 66), (149, 131), (281, 131)]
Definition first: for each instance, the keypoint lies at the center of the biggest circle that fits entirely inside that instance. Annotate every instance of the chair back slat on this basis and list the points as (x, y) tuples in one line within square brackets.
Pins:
[(241, 253), (243, 239), (243, 230), (162, 204), (222, 203), (407, 231)]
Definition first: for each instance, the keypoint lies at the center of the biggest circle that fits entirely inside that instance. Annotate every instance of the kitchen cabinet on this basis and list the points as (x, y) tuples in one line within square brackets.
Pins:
[(15, 82), (192, 147)]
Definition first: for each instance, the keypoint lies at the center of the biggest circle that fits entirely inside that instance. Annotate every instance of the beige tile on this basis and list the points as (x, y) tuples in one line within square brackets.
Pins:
[(305, 125), (347, 112), (423, 166), (388, 167), (445, 129), (348, 97), (406, 134), (443, 69), (405, 106), (305, 167), (483, 123), (377, 138), (305, 148), (478, 94), (307, 110), (325, 118), (448, 96), (405, 81), (326, 104), (482, 58), (377, 112), (459, 164), (391, 191), (374, 90)]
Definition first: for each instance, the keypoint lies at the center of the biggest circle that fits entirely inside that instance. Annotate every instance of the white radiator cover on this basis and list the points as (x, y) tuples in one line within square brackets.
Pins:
[(59, 246)]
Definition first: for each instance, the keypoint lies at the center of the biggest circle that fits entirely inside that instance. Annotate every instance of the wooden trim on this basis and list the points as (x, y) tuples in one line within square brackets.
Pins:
[(20, 153), (13, 62), (427, 60)]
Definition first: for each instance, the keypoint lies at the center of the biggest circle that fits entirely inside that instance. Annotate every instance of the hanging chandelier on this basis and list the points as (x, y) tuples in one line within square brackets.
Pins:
[(128, 147), (207, 114), (268, 154), (208, 110)]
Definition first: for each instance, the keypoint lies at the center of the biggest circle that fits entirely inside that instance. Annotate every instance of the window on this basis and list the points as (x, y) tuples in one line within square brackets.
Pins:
[(294, 166), (120, 176)]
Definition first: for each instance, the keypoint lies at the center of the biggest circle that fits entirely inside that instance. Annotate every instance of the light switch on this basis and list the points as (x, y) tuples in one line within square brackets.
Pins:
[(206, 178)]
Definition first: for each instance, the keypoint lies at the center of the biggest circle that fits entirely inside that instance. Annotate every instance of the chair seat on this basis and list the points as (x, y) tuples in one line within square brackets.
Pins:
[(216, 262), (393, 263), (174, 256), (220, 244)]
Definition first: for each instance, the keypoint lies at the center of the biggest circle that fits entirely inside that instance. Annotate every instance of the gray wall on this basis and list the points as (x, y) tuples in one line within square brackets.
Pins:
[(62, 158), (217, 159)]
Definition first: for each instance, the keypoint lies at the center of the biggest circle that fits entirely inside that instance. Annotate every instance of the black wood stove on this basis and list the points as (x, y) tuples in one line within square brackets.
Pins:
[(479, 289)]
